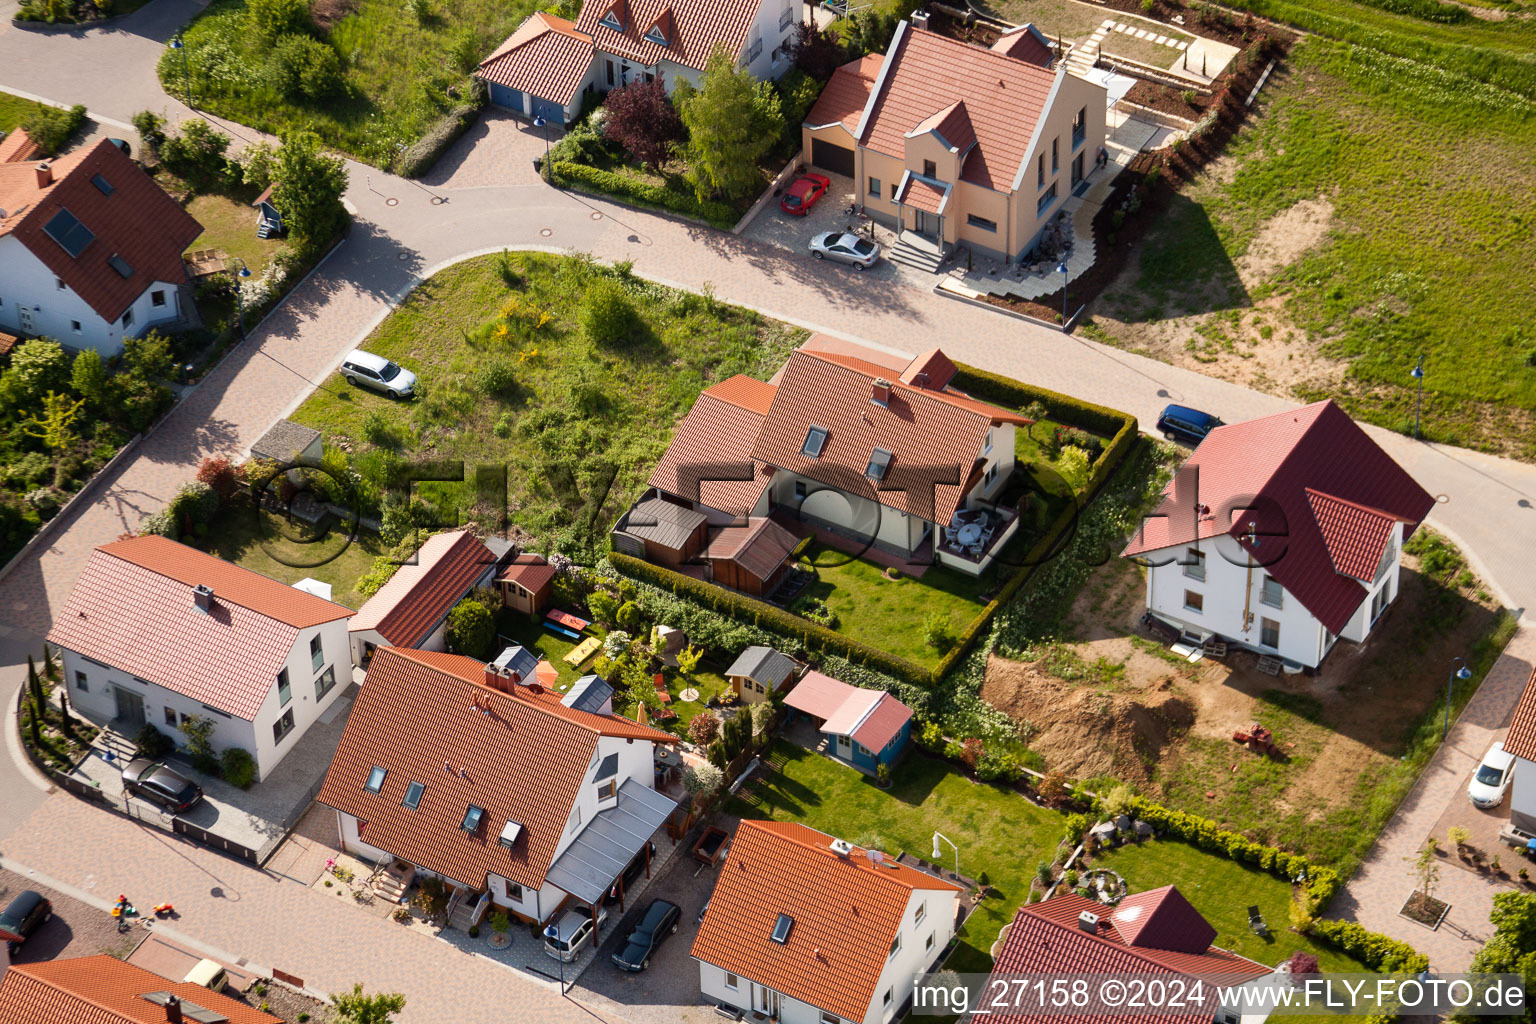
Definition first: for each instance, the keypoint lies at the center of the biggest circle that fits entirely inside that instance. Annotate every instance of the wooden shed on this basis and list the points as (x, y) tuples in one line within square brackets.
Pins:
[(661, 532)]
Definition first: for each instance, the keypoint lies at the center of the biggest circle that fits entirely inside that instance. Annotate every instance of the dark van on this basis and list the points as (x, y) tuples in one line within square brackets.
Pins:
[(1189, 426)]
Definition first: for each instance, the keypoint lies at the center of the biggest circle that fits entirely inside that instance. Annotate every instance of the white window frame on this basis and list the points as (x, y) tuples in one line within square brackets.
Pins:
[(1194, 569), (732, 982), (1269, 625), (1267, 584)]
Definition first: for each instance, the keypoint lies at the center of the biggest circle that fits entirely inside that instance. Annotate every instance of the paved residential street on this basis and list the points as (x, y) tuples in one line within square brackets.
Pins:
[(493, 201)]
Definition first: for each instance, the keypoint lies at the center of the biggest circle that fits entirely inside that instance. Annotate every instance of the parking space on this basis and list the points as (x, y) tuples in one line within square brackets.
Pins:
[(76, 929), (668, 992)]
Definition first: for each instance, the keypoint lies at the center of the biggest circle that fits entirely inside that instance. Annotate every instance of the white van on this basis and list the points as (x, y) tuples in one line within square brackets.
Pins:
[(571, 932), (207, 974)]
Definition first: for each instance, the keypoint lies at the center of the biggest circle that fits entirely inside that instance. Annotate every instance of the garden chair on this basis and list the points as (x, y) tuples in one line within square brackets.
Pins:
[(1256, 922)]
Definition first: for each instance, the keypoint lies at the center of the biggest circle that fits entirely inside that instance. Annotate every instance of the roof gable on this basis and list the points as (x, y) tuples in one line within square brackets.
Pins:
[(1521, 738), (420, 593), (102, 989), (546, 56), (710, 457), (18, 146), (1162, 919), (785, 868), (693, 28), (136, 222), (846, 94), (1355, 535), (1024, 42)]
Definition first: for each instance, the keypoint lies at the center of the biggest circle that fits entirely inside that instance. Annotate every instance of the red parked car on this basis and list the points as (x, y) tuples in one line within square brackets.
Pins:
[(802, 195)]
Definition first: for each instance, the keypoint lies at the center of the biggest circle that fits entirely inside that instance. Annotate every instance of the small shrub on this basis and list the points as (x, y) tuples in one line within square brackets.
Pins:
[(931, 737), (1044, 873), (51, 127), (496, 378), (1188, 96), (702, 778), (1053, 788), (704, 728), (151, 742), (628, 617), (607, 316), (238, 767), (421, 10), (938, 631), (377, 430), (303, 68), (1458, 835), (1149, 5)]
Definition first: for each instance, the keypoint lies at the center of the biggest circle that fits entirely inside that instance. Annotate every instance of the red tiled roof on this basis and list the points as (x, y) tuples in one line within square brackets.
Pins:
[(939, 367), (1045, 939), (132, 608), (524, 762), (923, 195), (698, 27), (137, 223), (872, 717), (417, 596), (952, 125), (778, 868), (1162, 919), (1521, 739), (843, 98), (882, 724), (934, 367), (1260, 472), (18, 146), (1356, 536), (1003, 99), (923, 429), (546, 57), (529, 571), (1025, 43), (714, 443), (102, 989), (760, 547)]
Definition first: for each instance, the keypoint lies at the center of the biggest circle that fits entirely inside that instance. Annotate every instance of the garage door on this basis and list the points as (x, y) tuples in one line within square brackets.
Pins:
[(554, 113), (505, 96), (832, 158)]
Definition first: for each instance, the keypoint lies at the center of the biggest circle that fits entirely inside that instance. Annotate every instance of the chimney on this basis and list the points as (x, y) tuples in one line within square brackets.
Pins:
[(44, 174), (172, 1010), (492, 676), (1088, 921), (880, 393), (202, 597)]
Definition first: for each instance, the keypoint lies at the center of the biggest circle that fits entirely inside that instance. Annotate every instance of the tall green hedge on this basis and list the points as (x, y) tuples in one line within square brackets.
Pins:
[(1375, 950)]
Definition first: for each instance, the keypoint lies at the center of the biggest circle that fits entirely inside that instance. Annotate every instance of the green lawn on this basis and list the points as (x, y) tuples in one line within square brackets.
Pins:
[(574, 427), (1222, 890), (1074, 21), (229, 224), (1001, 836), (400, 74), (288, 551), (14, 110), (522, 629)]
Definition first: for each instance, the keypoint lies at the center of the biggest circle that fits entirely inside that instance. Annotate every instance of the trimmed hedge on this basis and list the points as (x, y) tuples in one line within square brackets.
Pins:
[(1377, 951), (444, 132), (643, 193), (1322, 882)]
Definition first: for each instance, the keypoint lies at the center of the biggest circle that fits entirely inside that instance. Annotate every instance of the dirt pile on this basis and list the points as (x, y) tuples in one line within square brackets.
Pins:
[(1085, 730)]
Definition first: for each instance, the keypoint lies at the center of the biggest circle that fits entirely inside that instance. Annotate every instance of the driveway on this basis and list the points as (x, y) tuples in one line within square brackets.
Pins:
[(668, 992), (77, 928)]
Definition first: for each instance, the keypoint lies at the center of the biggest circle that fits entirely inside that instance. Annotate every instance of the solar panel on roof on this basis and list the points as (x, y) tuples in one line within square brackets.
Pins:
[(120, 265), (66, 229)]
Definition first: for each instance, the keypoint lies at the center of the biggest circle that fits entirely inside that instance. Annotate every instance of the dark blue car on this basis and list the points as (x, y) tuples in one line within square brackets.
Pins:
[(1181, 423)]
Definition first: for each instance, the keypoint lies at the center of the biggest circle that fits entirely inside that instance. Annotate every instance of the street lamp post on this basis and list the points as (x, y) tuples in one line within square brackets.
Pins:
[(1063, 269), (1462, 673), (552, 931), (936, 837), (1417, 373), (186, 73), (243, 272), (539, 122)]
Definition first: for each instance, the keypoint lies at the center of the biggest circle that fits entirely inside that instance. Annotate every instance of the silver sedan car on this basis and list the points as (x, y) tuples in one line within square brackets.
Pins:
[(845, 247), (378, 373)]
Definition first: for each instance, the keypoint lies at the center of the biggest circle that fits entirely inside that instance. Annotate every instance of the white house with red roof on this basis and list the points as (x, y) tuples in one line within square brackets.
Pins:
[(1281, 535), (545, 67), (155, 631), (90, 247), (1520, 742), (879, 449), (960, 144), (1147, 934), (804, 928), (487, 779), (411, 609)]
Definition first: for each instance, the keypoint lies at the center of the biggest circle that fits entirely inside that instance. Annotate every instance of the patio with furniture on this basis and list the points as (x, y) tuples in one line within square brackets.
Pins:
[(975, 534)]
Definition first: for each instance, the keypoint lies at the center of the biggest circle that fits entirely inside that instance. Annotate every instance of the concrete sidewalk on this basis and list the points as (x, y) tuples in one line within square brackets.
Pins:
[(1386, 879)]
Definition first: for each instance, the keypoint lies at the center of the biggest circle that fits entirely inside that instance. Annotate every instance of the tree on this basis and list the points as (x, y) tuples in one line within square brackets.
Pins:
[(38, 366), (702, 778), (196, 151), (1426, 868), (356, 1008), (471, 629), (88, 378), (258, 160), (308, 186), (604, 606), (643, 120), (150, 357), (54, 425), (704, 728), (217, 472), (1512, 949), (815, 52), (35, 688), (762, 714), (1072, 464), (733, 120), (151, 129)]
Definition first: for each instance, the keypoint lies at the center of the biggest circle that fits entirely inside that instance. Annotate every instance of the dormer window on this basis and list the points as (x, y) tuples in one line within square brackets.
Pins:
[(815, 441), (657, 36), (879, 463), (472, 816), (375, 779), (611, 20)]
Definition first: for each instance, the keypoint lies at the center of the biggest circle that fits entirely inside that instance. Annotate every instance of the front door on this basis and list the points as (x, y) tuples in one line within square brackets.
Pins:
[(845, 747), (24, 319), (767, 1001), (920, 222), (130, 706)]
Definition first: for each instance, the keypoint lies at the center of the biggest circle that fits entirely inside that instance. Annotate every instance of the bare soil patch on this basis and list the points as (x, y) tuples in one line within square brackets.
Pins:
[(326, 13), (1284, 238)]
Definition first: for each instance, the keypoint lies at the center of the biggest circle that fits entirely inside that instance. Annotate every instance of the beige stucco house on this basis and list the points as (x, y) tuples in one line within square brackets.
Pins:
[(959, 144)]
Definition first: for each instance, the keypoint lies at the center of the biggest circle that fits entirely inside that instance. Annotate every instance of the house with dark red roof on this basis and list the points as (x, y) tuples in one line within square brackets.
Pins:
[(1281, 535), (1520, 743), (102, 989), (806, 928), (959, 144), (90, 247), (479, 775), (158, 632), (1147, 935), (864, 728), (527, 584), (546, 67), (875, 448), (411, 610)]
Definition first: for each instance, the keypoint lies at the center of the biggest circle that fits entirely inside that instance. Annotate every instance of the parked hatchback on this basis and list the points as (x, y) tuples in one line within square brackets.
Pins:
[(1491, 780), (154, 781), (631, 872), (25, 915), (660, 920), (845, 247), (803, 194), (572, 932), (378, 373), (1180, 423)]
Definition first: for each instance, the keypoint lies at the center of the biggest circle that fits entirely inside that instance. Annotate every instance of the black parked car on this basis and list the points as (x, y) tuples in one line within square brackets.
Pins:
[(154, 782), (26, 914), (660, 920), (1181, 423), (632, 871)]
